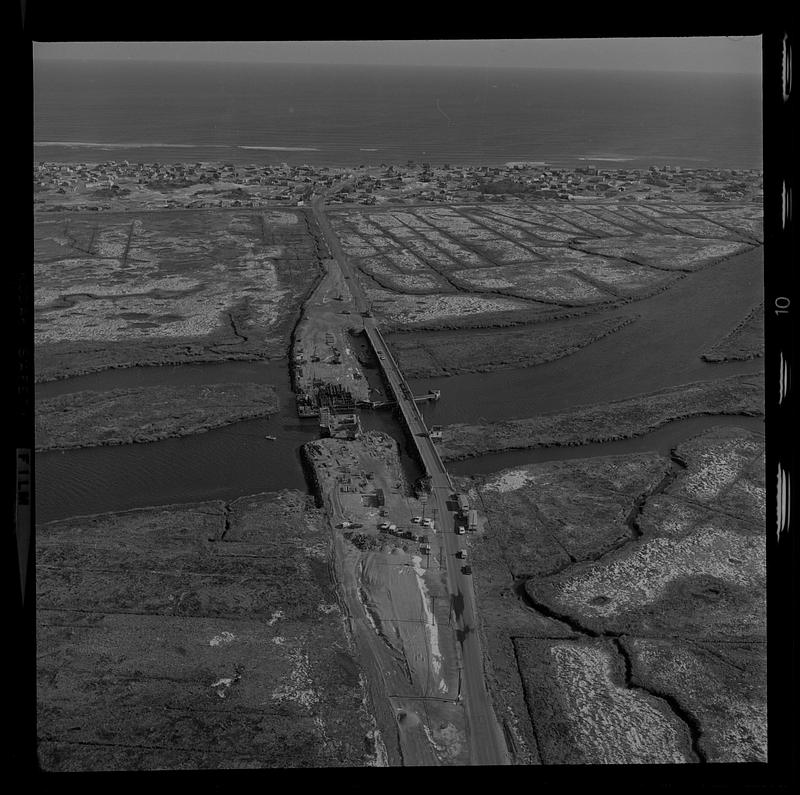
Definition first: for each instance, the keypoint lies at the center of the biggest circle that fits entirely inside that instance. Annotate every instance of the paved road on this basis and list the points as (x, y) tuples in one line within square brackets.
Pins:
[(487, 745)]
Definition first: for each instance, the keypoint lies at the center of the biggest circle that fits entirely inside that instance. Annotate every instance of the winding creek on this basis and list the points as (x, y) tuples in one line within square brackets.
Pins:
[(661, 348)]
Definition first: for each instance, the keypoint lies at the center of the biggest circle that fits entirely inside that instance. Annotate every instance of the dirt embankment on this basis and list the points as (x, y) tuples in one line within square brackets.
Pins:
[(146, 414), (623, 600), (483, 351), (621, 419), (205, 636)]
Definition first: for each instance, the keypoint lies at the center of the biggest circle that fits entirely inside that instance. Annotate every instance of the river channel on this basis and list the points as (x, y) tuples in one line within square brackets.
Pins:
[(660, 349)]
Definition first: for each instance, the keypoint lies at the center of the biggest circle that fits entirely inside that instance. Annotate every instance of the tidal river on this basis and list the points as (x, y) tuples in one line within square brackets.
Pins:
[(660, 349)]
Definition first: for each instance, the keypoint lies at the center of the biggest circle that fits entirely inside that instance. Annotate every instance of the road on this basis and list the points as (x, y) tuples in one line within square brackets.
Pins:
[(487, 744)]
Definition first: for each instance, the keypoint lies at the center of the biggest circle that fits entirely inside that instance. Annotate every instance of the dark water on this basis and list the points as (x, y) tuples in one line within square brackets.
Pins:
[(221, 464), (349, 115), (660, 349)]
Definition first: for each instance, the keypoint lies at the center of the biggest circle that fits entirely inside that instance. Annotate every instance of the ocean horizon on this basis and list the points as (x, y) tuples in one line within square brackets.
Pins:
[(93, 111)]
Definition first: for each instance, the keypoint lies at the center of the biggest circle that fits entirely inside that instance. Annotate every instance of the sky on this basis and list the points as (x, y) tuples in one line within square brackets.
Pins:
[(718, 54)]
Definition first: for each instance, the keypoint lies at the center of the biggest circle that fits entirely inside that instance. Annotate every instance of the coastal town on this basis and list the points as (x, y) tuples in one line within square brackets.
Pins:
[(100, 186)]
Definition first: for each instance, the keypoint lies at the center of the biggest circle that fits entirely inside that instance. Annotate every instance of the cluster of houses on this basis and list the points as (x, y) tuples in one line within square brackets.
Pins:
[(423, 182), (296, 184), (289, 183)]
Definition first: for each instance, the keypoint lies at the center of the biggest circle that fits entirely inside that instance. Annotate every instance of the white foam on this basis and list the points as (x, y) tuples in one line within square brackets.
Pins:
[(132, 145), (283, 148)]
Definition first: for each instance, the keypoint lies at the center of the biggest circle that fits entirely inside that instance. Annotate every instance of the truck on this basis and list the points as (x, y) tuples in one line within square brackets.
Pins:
[(392, 528), (461, 554), (472, 520), (463, 503), (460, 529), (466, 569)]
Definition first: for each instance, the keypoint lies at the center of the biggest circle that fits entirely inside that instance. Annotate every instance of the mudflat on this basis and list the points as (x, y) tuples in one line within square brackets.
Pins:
[(167, 286), (146, 414)]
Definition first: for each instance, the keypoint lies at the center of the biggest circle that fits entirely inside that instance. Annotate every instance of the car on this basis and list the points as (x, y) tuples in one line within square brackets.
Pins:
[(462, 553), (466, 569), (383, 526), (416, 519), (427, 523)]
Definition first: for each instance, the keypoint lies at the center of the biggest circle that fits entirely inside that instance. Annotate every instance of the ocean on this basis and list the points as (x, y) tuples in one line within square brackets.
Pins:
[(94, 111)]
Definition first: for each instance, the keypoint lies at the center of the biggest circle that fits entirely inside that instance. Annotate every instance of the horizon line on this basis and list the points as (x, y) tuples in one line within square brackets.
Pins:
[(516, 67)]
